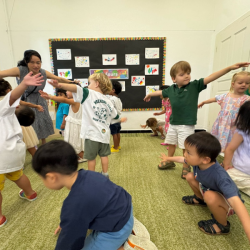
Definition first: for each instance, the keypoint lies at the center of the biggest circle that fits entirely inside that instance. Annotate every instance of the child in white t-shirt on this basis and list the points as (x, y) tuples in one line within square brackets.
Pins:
[(12, 147), (97, 112)]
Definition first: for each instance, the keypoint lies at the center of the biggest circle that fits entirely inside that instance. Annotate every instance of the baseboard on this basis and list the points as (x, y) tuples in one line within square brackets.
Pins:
[(149, 131)]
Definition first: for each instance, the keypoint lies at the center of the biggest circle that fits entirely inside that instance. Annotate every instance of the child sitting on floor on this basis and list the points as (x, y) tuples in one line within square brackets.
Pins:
[(156, 126), (211, 184)]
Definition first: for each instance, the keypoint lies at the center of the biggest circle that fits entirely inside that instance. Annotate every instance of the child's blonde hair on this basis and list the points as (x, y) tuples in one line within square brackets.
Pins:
[(180, 66), (151, 122), (241, 73), (104, 82)]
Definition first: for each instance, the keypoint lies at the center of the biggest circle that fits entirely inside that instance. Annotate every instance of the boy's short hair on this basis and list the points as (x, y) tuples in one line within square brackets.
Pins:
[(61, 91), (180, 66), (55, 156), (117, 87), (164, 87), (25, 115), (4, 86), (206, 144), (104, 82)]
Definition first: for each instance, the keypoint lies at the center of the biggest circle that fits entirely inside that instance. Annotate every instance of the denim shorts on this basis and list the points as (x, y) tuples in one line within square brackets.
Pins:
[(109, 240), (115, 128)]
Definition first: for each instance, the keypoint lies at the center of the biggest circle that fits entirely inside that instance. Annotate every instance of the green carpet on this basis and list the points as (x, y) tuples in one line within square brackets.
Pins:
[(156, 199)]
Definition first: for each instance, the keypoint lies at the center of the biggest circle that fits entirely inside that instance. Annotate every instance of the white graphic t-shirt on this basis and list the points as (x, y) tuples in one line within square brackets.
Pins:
[(117, 105), (97, 112)]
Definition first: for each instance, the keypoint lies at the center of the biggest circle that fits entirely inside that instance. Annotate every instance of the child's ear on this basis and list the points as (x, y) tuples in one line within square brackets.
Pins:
[(96, 84), (206, 160), (173, 79), (52, 177)]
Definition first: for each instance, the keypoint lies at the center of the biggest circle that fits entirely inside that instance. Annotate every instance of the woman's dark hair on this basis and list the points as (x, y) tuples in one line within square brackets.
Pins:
[(55, 156), (4, 86), (25, 115), (164, 87), (27, 56), (61, 91), (206, 144), (243, 118), (117, 87)]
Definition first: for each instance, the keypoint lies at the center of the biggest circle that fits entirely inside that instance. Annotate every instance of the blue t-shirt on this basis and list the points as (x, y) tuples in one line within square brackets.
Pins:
[(94, 202), (63, 109), (217, 179)]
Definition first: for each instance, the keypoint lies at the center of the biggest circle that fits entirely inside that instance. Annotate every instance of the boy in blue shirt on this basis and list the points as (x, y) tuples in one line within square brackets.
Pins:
[(94, 202), (211, 184)]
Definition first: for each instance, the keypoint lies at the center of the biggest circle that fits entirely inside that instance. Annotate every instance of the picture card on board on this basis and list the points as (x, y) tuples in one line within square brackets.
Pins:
[(109, 59), (152, 53), (138, 80), (82, 61), (83, 81), (132, 59), (123, 85), (63, 54), (151, 89), (65, 73), (152, 69), (112, 73)]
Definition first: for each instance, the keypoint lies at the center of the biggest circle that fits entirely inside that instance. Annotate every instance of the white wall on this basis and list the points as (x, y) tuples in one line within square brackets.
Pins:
[(188, 26)]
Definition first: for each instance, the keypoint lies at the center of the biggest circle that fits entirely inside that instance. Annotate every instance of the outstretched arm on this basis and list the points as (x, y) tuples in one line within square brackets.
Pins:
[(161, 113), (31, 105), (222, 72), (69, 87), (10, 72), (56, 98), (54, 77), (156, 93), (179, 159), (206, 102)]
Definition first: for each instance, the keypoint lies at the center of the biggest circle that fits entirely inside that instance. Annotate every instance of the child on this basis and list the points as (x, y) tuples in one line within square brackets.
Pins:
[(93, 202), (12, 147), (238, 151), (223, 128), (97, 112), (211, 184), (73, 122), (183, 96), (167, 110), (62, 112), (115, 124), (156, 126)]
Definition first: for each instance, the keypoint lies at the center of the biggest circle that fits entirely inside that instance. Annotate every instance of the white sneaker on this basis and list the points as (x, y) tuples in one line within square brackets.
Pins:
[(138, 243), (140, 230), (80, 160)]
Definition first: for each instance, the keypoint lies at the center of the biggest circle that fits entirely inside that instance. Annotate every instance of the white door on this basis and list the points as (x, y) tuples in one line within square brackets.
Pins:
[(232, 45)]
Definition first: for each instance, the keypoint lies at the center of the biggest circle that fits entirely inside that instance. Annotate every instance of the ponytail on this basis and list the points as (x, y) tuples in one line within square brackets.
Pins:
[(27, 56)]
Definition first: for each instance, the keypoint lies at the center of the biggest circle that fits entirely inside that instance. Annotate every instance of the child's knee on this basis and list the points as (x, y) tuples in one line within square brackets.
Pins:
[(210, 197), (190, 177)]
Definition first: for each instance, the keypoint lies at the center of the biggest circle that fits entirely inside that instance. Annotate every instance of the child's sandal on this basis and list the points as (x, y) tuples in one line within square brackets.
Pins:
[(185, 171), (189, 200)]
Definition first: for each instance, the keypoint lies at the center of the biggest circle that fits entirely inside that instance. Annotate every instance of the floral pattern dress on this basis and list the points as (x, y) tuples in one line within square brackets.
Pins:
[(223, 127), (166, 104)]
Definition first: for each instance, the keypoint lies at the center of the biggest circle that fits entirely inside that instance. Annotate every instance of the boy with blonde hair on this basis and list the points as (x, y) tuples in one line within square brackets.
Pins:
[(97, 112), (183, 96)]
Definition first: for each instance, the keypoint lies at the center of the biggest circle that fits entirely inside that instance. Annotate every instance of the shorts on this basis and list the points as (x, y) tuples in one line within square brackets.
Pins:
[(177, 134), (94, 148), (13, 176), (109, 240), (115, 128)]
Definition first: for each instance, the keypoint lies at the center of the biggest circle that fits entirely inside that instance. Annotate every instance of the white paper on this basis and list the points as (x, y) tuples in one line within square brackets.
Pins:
[(63, 54), (65, 73), (138, 80), (151, 89), (152, 53), (152, 69), (82, 61), (123, 85), (132, 59), (109, 59), (83, 81)]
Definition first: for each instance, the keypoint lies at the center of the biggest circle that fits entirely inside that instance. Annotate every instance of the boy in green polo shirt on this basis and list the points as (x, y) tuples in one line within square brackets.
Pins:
[(183, 96)]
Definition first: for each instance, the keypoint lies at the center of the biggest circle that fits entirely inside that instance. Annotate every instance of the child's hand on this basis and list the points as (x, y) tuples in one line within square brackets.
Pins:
[(55, 83), (44, 95), (143, 126), (32, 80), (40, 108), (124, 119), (57, 230), (156, 114), (226, 167), (239, 65), (147, 98), (62, 126), (164, 157), (200, 104)]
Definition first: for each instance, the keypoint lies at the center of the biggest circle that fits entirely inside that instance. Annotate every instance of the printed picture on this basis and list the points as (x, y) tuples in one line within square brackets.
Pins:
[(63, 54), (132, 59), (81, 61), (138, 80), (109, 59), (65, 73), (152, 53), (152, 69)]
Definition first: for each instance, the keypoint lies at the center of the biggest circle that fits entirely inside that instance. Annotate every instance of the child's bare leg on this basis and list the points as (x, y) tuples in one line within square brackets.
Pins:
[(194, 184), (24, 183), (1, 200), (119, 139), (81, 154), (171, 150), (154, 132), (32, 151), (91, 165), (161, 131), (105, 164), (43, 141), (116, 141)]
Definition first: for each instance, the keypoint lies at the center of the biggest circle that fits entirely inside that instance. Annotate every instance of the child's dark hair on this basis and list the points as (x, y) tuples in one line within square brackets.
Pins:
[(61, 91), (25, 115), (27, 56), (4, 86), (55, 156), (117, 87), (242, 121), (206, 144), (151, 122), (164, 87)]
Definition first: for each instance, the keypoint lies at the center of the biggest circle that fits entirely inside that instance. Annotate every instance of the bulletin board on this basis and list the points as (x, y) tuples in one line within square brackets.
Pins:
[(138, 63)]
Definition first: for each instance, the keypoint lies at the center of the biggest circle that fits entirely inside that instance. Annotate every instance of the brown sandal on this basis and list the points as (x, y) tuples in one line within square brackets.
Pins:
[(187, 170)]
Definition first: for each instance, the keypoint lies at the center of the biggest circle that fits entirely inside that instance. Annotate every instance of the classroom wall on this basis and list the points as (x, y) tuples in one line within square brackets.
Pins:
[(188, 26)]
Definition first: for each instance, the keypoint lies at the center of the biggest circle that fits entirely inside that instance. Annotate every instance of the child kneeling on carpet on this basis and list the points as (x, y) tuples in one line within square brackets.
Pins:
[(94, 202), (212, 185), (156, 126)]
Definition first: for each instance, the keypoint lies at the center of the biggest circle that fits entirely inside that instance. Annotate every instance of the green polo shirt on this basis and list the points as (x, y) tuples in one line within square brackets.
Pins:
[(247, 92), (184, 102)]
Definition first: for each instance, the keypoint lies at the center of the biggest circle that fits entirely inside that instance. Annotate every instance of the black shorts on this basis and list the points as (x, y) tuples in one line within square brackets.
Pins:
[(115, 128)]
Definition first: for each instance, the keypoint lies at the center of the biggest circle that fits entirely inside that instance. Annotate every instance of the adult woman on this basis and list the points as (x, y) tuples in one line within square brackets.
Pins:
[(32, 61)]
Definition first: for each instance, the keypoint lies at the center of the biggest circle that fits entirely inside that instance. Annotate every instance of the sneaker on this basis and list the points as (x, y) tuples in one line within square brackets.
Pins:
[(135, 242), (3, 221), (80, 160), (119, 147), (29, 198), (107, 176), (114, 150), (140, 230)]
